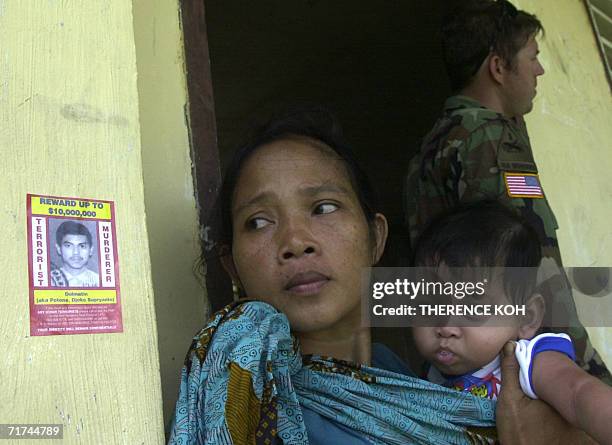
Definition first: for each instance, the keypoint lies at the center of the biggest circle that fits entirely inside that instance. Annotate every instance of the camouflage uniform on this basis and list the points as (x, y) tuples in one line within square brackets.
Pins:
[(465, 158)]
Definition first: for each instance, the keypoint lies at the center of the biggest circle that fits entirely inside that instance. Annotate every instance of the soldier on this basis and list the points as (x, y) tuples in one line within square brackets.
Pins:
[(479, 148)]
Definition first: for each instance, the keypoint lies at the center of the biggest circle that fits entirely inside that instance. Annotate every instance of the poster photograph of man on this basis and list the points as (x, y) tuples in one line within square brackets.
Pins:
[(74, 254)]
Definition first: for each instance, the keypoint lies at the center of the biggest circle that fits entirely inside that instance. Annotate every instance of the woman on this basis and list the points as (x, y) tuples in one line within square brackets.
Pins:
[(297, 226)]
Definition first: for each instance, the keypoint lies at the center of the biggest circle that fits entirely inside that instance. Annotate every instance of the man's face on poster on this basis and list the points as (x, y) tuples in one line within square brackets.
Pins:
[(75, 251)]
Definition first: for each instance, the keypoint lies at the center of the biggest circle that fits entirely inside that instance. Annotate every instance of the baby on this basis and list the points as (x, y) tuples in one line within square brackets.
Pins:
[(466, 356)]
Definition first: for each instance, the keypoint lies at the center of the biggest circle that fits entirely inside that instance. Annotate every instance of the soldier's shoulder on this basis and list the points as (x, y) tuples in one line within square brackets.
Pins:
[(469, 113), (474, 119), (465, 127), (449, 126)]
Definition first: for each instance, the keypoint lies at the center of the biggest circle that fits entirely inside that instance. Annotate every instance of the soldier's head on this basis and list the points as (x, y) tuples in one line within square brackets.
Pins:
[(74, 245), (495, 41)]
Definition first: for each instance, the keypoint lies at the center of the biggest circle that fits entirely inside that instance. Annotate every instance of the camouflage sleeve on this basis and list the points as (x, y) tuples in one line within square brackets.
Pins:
[(429, 187), (478, 176), (427, 193), (491, 151), (464, 162)]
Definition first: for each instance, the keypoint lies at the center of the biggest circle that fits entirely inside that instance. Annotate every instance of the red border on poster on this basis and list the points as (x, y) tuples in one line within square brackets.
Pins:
[(74, 288)]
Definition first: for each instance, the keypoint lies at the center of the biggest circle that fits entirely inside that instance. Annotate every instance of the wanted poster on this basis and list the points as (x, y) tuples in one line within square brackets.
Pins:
[(73, 266)]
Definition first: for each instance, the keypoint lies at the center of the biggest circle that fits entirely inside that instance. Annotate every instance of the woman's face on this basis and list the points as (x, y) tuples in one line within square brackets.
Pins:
[(300, 237)]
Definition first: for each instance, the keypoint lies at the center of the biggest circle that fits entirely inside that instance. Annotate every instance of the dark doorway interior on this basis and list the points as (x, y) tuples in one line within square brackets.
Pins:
[(376, 65)]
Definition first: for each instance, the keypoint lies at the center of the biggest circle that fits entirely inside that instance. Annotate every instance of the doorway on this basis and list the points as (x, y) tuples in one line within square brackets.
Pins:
[(376, 65)]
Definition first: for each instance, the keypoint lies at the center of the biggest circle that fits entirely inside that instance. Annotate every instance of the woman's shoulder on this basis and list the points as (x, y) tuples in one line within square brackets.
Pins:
[(236, 366), (238, 313), (240, 329)]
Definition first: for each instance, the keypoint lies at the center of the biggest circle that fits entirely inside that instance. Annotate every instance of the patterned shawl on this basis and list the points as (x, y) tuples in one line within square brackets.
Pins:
[(244, 381)]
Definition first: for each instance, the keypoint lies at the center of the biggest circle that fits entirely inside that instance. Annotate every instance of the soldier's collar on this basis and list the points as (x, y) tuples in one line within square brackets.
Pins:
[(467, 104), (459, 101)]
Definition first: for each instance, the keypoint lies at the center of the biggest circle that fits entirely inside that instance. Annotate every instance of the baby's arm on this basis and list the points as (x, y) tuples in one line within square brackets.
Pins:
[(580, 398)]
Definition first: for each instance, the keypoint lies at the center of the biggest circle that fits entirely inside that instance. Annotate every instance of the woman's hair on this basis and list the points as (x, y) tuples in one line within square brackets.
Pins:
[(314, 123), (478, 27), (483, 235)]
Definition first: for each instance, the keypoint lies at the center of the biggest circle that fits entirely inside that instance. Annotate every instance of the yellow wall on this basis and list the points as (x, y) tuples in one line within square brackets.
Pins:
[(571, 132), (172, 220), (70, 127)]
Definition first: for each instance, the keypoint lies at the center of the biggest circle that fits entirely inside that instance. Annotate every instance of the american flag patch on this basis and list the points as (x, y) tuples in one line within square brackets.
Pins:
[(523, 185)]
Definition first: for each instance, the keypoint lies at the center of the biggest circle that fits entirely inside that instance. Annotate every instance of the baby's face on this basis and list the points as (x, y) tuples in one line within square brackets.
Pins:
[(459, 350)]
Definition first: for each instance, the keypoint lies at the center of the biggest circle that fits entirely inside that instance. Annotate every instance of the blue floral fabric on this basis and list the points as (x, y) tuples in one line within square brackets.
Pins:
[(253, 339)]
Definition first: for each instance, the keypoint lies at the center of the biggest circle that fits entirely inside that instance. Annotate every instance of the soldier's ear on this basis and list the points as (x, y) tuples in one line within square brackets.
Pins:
[(496, 67), (534, 315)]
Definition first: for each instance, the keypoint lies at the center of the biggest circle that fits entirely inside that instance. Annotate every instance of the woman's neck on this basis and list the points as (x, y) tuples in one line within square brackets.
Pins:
[(345, 341)]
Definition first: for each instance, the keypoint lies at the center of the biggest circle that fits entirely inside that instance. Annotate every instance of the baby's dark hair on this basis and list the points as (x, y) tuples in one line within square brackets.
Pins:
[(482, 235)]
